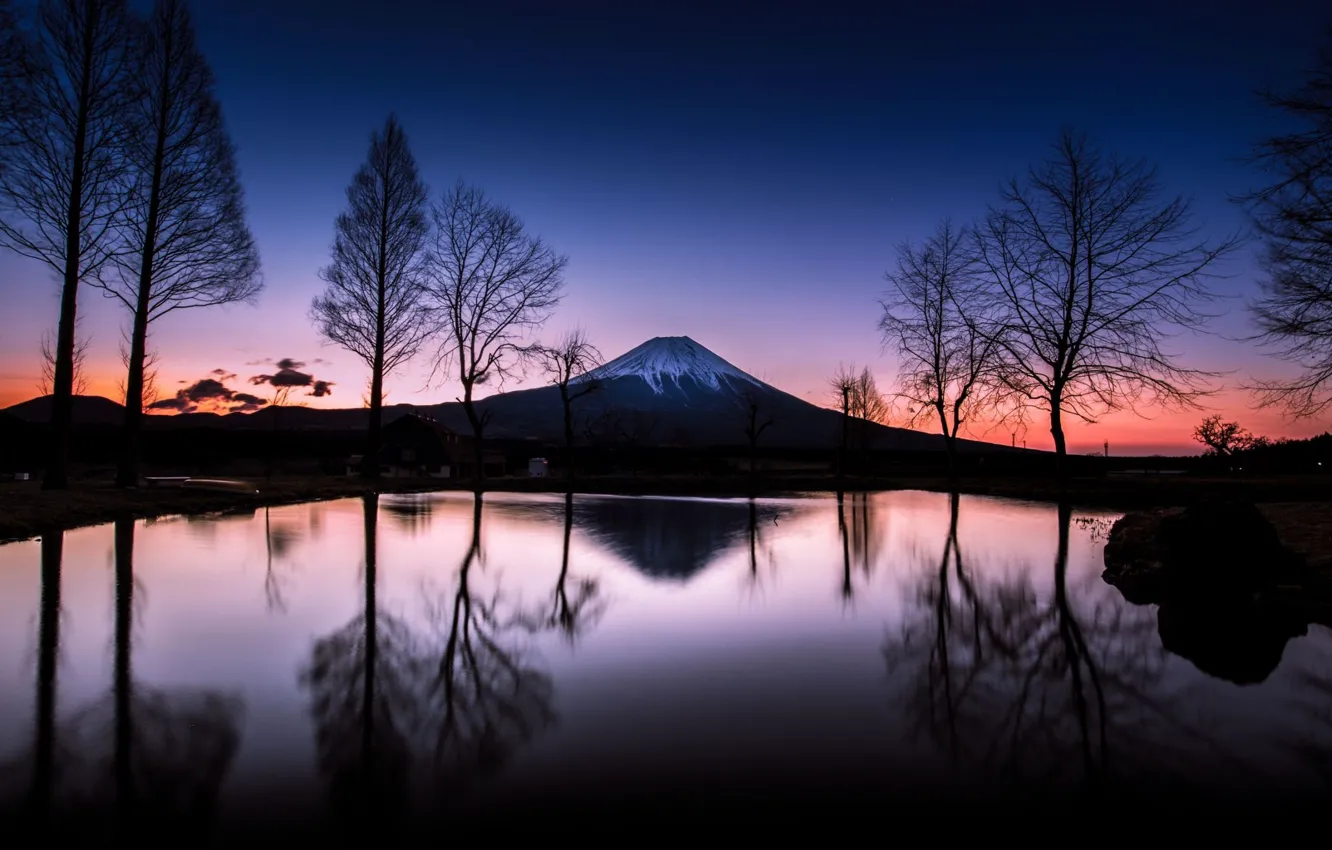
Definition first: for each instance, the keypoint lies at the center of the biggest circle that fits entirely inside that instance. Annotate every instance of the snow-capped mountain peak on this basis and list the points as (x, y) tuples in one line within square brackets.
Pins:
[(666, 359)]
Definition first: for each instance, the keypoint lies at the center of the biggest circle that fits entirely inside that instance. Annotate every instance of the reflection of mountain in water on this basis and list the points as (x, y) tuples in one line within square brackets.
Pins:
[(671, 539)]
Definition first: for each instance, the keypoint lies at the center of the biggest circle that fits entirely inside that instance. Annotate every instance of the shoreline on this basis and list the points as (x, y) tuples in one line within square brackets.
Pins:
[(26, 511)]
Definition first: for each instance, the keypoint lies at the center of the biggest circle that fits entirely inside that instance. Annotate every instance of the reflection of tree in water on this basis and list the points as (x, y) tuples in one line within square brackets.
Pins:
[(487, 697), (279, 540), (169, 750), (1035, 690), (574, 614), (364, 682), (28, 779), (861, 536), (412, 512)]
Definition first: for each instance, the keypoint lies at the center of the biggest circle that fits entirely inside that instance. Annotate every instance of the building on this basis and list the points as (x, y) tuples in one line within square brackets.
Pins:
[(415, 446), (538, 467)]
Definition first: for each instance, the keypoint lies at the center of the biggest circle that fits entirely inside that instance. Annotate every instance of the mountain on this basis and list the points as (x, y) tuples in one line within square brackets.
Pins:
[(667, 391), (88, 410), (672, 390)]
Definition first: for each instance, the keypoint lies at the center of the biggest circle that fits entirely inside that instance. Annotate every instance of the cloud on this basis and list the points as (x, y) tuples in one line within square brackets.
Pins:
[(289, 376), (210, 395), (223, 375)]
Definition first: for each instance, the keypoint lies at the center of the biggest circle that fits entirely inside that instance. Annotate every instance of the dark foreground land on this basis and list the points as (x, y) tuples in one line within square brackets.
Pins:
[(1300, 506)]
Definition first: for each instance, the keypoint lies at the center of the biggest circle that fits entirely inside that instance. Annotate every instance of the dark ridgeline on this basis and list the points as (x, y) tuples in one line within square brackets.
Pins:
[(488, 284), (64, 181), (1091, 269), (570, 358), (1292, 216), (373, 305), (943, 329), (184, 240), (365, 684)]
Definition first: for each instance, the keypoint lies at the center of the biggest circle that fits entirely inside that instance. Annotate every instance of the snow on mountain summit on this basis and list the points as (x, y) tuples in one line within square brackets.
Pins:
[(672, 358)]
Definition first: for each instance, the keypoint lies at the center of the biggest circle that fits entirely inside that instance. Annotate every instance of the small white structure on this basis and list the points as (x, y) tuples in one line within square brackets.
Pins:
[(538, 467)]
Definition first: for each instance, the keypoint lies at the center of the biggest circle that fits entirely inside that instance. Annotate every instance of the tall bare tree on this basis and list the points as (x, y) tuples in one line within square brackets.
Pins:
[(842, 385), (935, 321), (1093, 270), (48, 347), (867, 406), (1293, 215), (489, 283), (756, 417), (566, 364), (186, 243), (372, 306), (62, 187)]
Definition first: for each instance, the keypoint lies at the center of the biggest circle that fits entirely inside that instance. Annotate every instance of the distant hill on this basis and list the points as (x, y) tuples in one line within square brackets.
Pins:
[(88, 410), (666, 391)]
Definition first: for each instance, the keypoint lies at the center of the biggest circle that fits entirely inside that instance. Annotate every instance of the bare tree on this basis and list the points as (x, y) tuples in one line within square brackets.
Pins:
[(756, 417), (567, 363), (1293, 216), (11, 75), (489, 284), (186, 243), (842, 385), (62, 187), (47, 382), (937, 325), (148, 392), (1224, 439), (1092, 270), (372, 306)]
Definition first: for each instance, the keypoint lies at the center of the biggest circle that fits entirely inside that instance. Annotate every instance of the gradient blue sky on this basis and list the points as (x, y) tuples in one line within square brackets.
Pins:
[(736, 173)]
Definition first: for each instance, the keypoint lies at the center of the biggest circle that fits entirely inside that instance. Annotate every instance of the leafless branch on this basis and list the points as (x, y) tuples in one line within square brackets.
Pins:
[(1092, 271)]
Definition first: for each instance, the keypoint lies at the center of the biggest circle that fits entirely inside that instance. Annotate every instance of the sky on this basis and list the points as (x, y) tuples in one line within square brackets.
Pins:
[(737, 173)]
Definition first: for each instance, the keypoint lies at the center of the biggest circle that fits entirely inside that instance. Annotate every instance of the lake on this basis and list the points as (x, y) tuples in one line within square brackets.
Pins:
[(370, 664)]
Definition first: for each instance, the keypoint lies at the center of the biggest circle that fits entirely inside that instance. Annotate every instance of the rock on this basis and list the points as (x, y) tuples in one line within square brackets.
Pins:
[(1219, 548), (1233, 639)]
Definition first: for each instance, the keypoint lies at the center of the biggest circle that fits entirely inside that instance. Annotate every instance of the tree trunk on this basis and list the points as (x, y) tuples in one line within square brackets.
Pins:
[(56, 476), (127, 475), (1061, 449), (371, 508), (48, 652), (479, 471), (950, 447), (568, 439), (123, 684), (374, 438)]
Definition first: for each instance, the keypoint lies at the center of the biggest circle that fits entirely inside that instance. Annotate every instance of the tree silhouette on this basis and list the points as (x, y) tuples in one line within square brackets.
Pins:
[(63, 184), (487, 697), (170, 750), (1091, 270), (364, 682), (372, 305), (566, 364), (489, 282), (1293, 216), (938, 325), (573, 616), (185, 241), (1040, 695)]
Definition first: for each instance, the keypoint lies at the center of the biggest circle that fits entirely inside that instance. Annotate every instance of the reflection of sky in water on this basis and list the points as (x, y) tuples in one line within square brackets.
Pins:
[(724, 651)]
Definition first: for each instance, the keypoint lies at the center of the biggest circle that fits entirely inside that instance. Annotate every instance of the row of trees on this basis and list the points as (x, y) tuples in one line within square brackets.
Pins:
[(461, 275), (1061, 299), (116, 171)]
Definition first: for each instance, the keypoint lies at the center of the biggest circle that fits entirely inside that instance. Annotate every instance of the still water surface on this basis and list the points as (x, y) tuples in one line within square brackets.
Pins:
[(407, 658)]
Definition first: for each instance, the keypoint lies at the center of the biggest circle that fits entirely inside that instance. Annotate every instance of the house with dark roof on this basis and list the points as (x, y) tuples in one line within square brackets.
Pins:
[(416, 446)]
